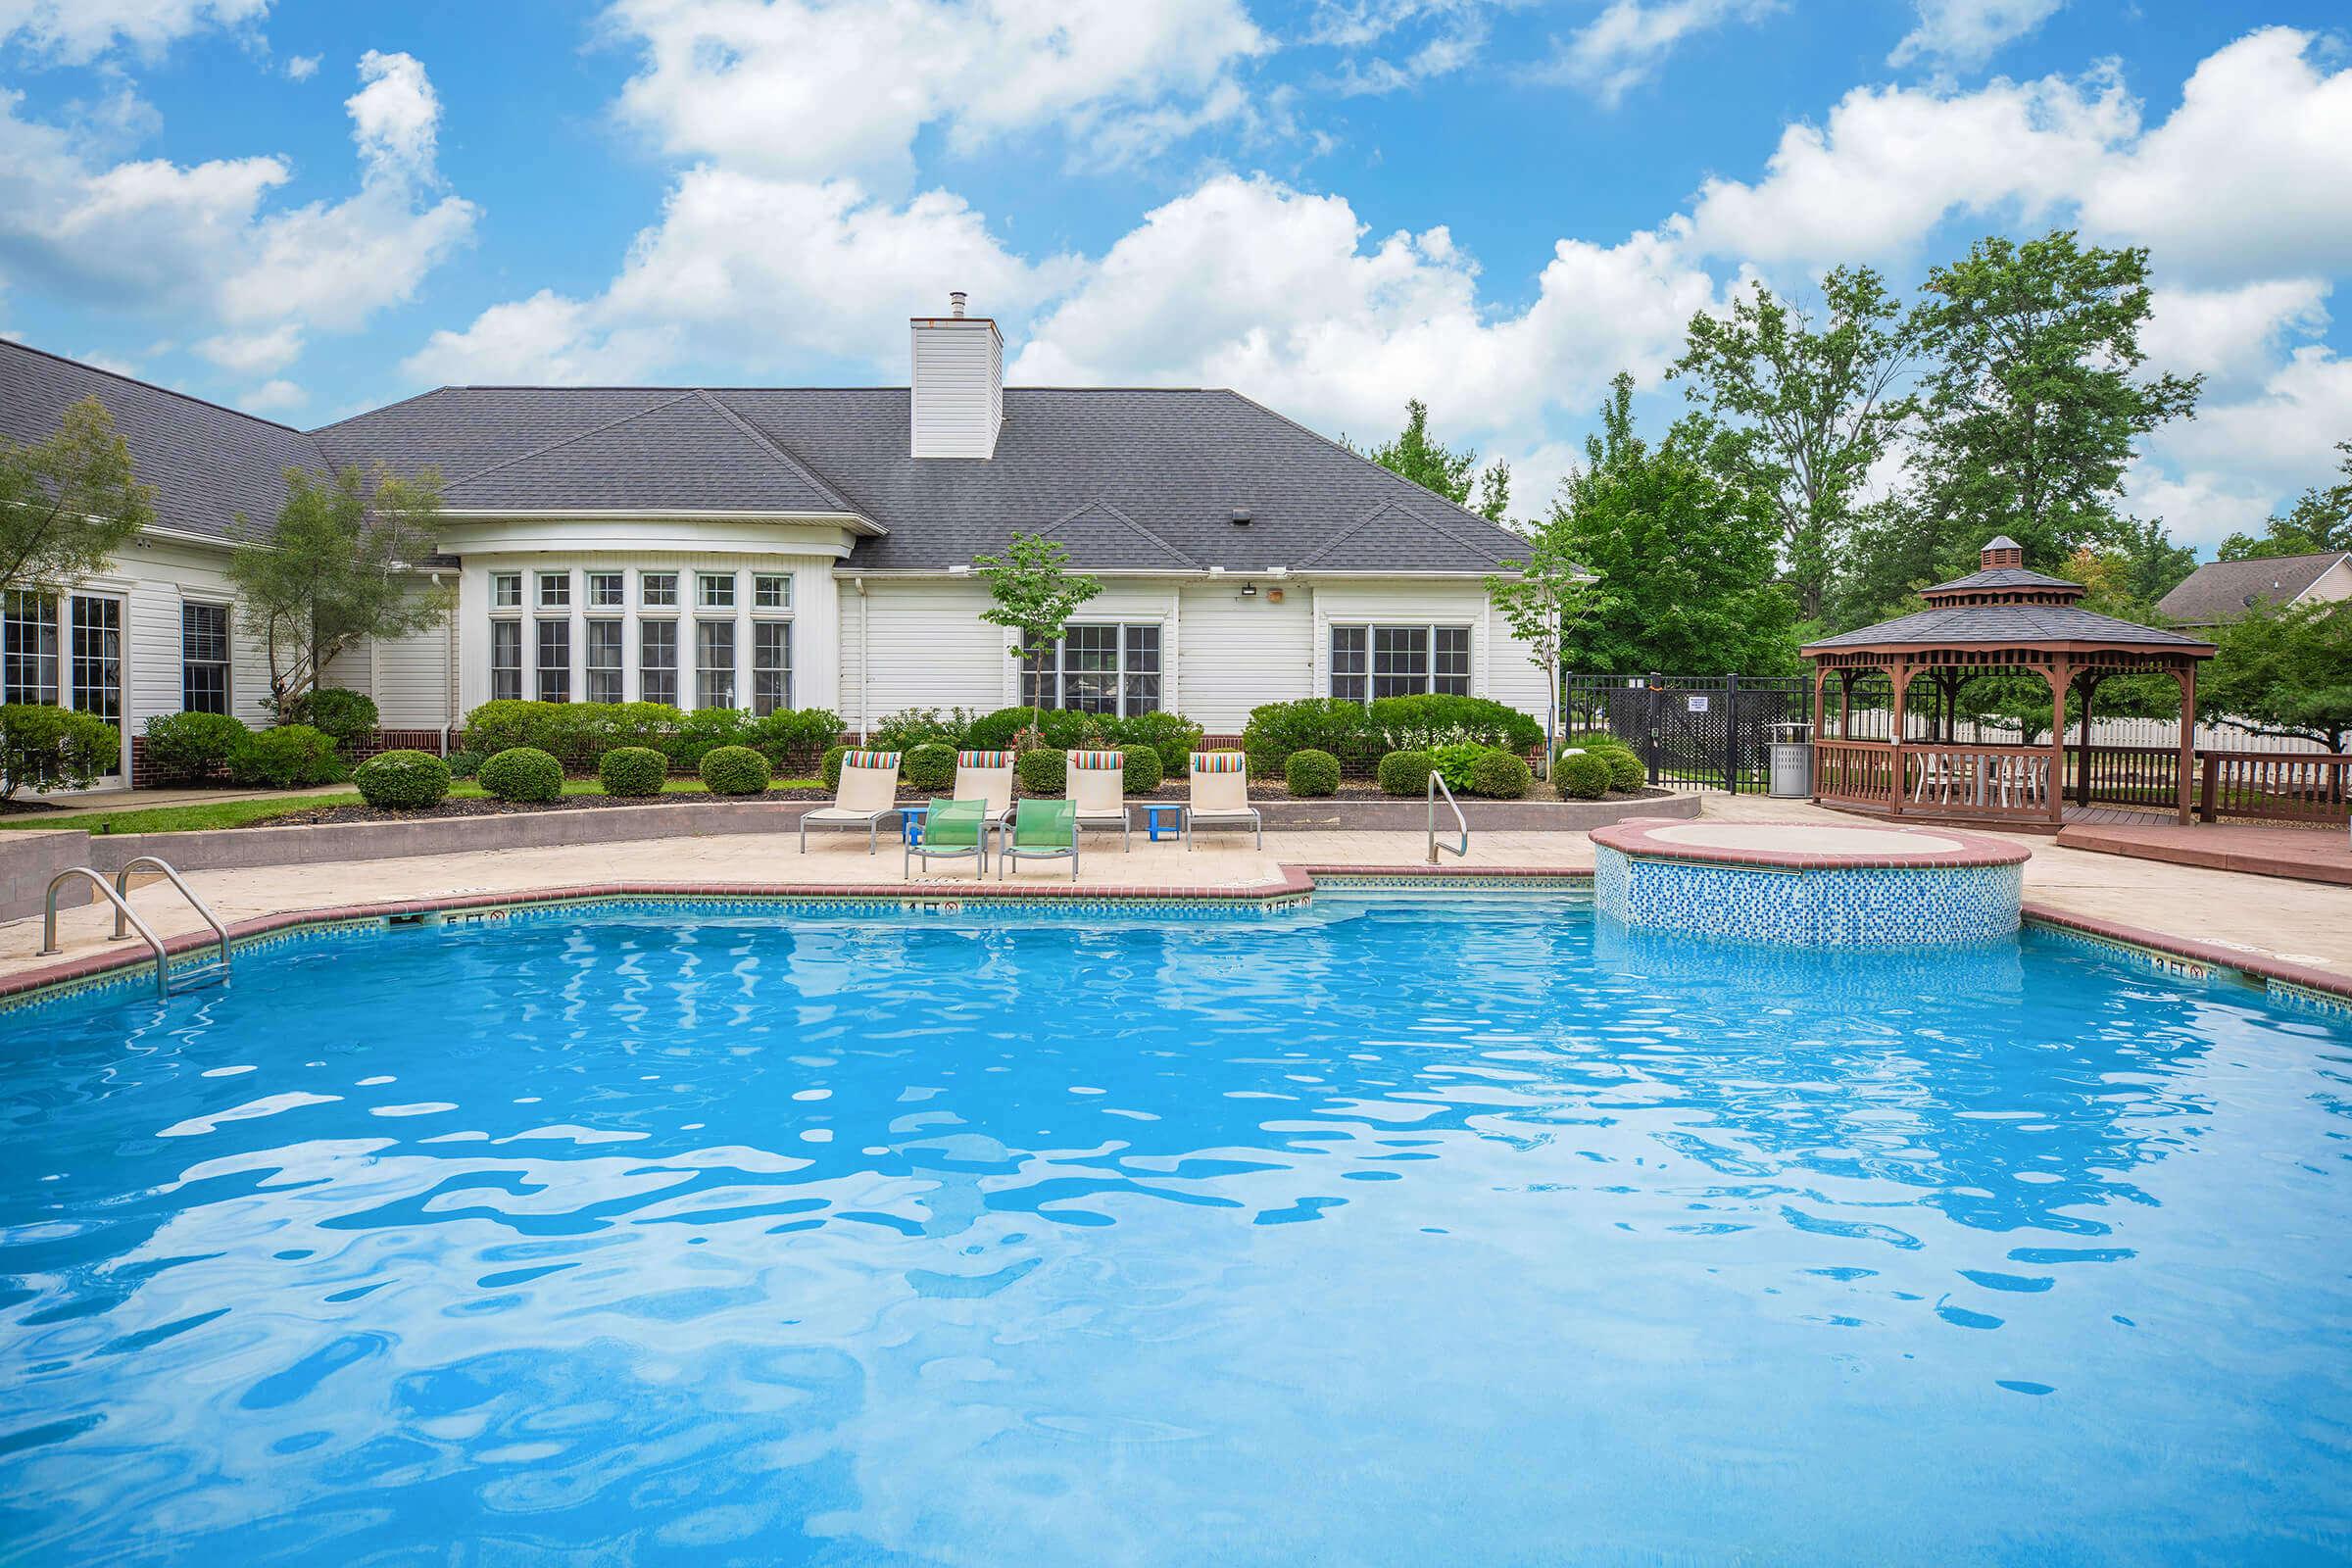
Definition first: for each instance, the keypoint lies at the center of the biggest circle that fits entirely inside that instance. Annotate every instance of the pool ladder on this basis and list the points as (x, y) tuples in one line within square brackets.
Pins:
[(1436, 787), (118, 893)]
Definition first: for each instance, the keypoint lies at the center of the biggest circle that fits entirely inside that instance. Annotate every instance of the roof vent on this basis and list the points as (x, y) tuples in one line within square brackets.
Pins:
[(1241, 516), (2002, 551), (956, 302)]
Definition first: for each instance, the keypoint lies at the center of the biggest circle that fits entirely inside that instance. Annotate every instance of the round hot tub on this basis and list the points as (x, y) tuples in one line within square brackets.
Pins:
[(1811, 886)]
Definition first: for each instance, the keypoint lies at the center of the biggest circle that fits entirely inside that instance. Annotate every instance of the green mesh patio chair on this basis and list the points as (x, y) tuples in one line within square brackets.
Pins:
[(951, 830), (1042, 830)]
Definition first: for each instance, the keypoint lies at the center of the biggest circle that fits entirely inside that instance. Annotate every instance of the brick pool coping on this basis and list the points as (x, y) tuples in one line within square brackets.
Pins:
[(1639, 836), (1295, 883)]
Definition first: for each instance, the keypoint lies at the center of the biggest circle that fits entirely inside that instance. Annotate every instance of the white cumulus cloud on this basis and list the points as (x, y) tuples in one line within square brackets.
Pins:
[(1968, 32), (1629, 42), (77, 31)]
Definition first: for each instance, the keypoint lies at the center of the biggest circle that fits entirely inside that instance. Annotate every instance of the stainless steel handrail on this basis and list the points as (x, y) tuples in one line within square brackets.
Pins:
[(1436, 787), (163, 962), (123, 906)]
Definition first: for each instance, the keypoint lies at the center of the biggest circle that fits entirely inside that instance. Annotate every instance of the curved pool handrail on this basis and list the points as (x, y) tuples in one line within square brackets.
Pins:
[(123, 911), (1436, 787), (122, 903)]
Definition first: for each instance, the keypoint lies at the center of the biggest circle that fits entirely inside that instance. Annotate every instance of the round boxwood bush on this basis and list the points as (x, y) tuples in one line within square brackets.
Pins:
[(181, 747), (1627, 772), (632, 770), (930, 767), (289, 756), (734, 770), (1583, 776), (1312, 774), (1140, 771), (346, 717), (402, 780), (1044, 770), (830, 767), (522, 773), (1500, 776), (1406, 773), (465, 762)]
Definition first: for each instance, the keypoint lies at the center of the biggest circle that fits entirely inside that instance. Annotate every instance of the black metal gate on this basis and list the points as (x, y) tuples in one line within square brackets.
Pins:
[(1702, 731)]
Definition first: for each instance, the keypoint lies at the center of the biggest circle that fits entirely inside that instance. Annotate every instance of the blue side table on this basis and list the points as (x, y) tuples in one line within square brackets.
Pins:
[(911, 822), (1168, 819)]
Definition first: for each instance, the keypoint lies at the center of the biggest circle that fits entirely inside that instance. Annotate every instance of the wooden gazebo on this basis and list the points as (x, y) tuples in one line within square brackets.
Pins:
[(2002, 620)]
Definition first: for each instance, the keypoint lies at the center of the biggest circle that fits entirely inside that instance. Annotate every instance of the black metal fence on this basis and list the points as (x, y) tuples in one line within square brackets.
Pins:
[(1701, 731)]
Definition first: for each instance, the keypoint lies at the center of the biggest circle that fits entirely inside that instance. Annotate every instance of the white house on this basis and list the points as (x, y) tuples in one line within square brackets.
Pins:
[(803, 547)]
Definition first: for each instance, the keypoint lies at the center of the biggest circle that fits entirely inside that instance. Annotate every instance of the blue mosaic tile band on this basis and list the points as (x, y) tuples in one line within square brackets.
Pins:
[(1876, 906)]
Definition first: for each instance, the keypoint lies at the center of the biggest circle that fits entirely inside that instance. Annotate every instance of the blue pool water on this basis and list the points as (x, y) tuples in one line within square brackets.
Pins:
[(1392, 1231)]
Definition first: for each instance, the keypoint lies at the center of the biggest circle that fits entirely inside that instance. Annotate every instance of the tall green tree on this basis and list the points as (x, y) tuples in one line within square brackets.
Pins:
[(337, 569), (2289, 672), (70, 504), (2320, 520), (1420, 457), (1539, 598), (1684, 560), (2034, 401), (1033, 593), (1808, 404)]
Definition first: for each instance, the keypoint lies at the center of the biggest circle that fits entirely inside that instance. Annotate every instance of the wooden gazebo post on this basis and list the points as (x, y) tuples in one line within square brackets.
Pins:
[(2061, 676), (1902, 674), (2186, 675)]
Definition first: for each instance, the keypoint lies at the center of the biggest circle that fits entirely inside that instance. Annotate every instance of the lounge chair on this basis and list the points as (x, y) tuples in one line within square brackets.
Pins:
[(868, 793), (1042, 830), (951, 830), (1099, 792), (1221, 796), (986, 777)]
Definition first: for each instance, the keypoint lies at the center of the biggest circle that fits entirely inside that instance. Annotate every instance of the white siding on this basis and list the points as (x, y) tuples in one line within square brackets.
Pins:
[(1237, 652), (1500, 666), (957, 402), (927, 647)]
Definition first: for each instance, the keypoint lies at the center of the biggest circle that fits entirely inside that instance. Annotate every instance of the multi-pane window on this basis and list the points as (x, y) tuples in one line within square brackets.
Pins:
[(714, 663), (659, 590), (28, 647), (716, 591), (505, 590), (607, 590), (554, 590), (1096, 669), (204, 658), (555, 660), (771, 666), (1369, 662), (658, 660), (98, 656), (771, 591), (506, 660), (604, 660)]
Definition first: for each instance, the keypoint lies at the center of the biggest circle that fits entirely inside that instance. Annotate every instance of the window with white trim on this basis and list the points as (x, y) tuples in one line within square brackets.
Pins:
[(203, 657), (658, 660), (1109, 669), (715, 663), (554, 590), (28, 647), (771, 590), (771, 666), (658, 589), (715, 591), (505, 590), (604, 660), (1388, 660), (607, 590), (506, 660), (555, 660)]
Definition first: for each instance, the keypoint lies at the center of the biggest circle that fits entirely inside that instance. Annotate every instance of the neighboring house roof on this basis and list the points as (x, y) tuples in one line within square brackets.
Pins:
[(2223, 590), (2007, 623), (207, 463)]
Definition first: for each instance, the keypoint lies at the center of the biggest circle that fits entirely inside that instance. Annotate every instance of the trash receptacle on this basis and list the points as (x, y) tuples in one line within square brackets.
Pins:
[(1792, 761)]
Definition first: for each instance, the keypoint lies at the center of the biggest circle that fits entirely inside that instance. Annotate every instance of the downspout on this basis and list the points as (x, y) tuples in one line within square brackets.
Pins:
[(449, 671), (864, 670)]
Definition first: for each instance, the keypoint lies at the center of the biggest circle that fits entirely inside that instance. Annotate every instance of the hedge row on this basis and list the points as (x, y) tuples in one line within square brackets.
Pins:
[(579, 734), (1172, 736), (1361, 734)]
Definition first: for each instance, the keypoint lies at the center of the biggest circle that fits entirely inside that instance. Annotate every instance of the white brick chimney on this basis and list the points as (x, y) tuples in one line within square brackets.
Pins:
[(958, 400)]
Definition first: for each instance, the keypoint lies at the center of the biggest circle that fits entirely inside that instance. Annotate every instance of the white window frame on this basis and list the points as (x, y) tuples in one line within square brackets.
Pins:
[(561, 582), (706, 581), (500, 583), (1371, 674), (620, 583), (734, 664), (645, 590), (225, 664), (669, 670), (541, 670), (517, 668), (591, 672), (1051, 696)]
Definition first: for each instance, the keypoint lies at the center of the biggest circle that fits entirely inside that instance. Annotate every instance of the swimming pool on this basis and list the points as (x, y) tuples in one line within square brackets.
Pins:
[(1399, 1229)]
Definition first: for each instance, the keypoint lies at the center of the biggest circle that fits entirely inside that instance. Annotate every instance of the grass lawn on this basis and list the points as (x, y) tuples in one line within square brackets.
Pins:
[(236, 814)]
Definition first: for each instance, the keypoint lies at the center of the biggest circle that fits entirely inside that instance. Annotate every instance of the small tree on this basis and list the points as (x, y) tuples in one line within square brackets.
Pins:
[(1035, 594), (1537, 598), (1420, 457), (336, 571), (2286, 672), (70, 504)]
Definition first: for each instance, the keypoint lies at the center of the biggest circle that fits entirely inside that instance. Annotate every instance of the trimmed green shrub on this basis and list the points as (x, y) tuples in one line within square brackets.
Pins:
[(1312, 774), (289, 756), (705, 730), (1583, 776), (903, 731), (579, 733), (1406, 774), (1433, 719), (181, 747), (402, 780), (1500, 776), (793, 738), (1172, 738), (930, 767), (1453, 764), (52, 748), (463, 763), (1044, 770), (632, 770), (1058, 728), (829, 769), (346, 718), (1627, 772), (1140, 769), (734, 770), (522, 773), (1331, 725)]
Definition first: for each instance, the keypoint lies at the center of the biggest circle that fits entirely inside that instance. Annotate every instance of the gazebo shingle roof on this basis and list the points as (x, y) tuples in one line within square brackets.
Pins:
[(2008, 623)]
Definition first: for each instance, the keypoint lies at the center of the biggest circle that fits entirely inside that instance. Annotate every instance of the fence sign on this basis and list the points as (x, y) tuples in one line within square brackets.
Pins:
[(1697, 702)]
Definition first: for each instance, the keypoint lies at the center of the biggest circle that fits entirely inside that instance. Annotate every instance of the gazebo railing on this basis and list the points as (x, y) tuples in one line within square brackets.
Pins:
[(1860, 771), (1935, 779), (2275, 786)]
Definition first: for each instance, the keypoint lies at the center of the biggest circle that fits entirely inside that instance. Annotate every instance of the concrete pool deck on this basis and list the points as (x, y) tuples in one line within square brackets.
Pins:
[(2306, 926)]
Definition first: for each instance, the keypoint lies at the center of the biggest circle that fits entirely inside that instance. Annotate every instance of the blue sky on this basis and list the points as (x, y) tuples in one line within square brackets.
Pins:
[(307, 208)]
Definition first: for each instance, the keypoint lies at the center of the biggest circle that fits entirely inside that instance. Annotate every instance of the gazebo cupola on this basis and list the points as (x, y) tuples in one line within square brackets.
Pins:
[(2002, 620)]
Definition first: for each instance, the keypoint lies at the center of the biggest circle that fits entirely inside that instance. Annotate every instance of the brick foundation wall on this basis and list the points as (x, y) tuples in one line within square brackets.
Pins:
[(144, 775)]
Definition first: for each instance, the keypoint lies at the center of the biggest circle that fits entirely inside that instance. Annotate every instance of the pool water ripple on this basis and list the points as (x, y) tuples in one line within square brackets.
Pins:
[(1398, 1231)]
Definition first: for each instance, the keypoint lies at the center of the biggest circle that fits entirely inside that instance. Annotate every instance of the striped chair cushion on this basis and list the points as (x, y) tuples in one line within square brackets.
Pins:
[(982, 759), (1220, 761), (1101, 762), (870, 759)]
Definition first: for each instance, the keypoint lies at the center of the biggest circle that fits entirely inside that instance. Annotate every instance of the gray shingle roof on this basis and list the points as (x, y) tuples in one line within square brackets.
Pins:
[(207, 463), (2002, 577), (2008, 623), (2220, 590)]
